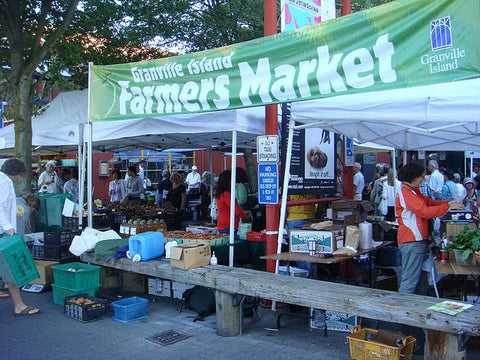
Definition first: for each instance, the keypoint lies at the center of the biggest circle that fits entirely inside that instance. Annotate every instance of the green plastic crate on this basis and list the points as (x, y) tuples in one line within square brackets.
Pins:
[(16, 262), (60, 293), (51, 207), (76, 275)]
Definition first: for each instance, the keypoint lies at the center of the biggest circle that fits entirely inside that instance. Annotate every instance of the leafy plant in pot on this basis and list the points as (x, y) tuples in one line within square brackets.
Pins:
[(467, 242)]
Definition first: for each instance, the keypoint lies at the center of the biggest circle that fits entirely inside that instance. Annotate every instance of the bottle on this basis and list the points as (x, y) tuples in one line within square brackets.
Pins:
[(213, 259), (133, 228), (141, 227), (123, 226), (128, 227), (162, 226), (149, 226), (155, 225)]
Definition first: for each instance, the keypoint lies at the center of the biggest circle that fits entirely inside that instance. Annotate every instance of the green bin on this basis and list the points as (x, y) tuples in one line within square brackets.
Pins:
[(16, 262)]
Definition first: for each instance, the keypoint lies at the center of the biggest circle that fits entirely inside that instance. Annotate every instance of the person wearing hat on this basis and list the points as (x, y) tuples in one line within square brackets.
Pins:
[(470, 200), (47, 180), (193, 180), (163, 188)]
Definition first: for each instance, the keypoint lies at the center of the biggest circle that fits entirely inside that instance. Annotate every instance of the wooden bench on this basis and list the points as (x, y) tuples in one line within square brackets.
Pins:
[(446, 335)]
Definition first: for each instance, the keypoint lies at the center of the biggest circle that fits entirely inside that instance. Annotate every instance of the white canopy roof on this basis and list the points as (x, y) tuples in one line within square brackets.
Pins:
[(58, 128), (433, 117)]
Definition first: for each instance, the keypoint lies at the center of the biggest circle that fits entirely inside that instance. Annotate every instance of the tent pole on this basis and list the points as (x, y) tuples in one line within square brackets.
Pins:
[(394, 167), (90, 155), (211, 174), (286, 179), (232, 197), (81, 168)]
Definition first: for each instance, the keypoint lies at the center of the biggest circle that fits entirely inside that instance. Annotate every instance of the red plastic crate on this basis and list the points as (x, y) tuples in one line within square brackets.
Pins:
[(256, 236)]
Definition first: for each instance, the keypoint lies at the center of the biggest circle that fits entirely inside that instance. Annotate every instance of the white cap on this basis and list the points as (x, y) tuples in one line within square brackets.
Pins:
[(194, 167)]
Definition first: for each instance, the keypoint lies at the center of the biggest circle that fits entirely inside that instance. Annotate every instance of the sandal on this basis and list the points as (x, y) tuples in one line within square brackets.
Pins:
[(28, 311), (4, 295)]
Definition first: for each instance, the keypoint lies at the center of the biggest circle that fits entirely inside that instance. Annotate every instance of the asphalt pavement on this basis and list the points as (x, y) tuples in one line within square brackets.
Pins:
[(52, 335)]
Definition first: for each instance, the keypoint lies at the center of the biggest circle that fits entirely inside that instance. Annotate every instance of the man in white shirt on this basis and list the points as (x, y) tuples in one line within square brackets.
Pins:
[(358, 181), (193, 179), (436, 180)]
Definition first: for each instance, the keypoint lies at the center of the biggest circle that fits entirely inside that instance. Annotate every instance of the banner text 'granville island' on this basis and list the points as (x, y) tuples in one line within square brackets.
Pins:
[(286, 83)]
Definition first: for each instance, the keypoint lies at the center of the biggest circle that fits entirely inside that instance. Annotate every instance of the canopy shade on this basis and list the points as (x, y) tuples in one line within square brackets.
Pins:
[(432, 117), (57, 129)]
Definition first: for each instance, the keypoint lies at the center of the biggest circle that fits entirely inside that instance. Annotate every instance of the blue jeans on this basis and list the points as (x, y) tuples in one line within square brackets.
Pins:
[(295, 224), (227, 231), (414, 280)]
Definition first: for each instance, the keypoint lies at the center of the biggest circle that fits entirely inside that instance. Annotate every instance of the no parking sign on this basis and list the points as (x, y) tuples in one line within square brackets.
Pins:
[(268, 183)]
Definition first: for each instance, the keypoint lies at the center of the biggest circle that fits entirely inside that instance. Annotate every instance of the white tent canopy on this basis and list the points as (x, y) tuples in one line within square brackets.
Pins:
[(443, 116), (58, 128)]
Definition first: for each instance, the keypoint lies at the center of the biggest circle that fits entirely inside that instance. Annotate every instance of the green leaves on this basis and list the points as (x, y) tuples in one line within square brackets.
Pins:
[(467, 240)]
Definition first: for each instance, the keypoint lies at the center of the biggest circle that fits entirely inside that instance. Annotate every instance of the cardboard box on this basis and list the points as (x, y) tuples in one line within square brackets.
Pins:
[(190, 255), (326, 242), (178, 288), (45, 271), (335, 321), (452, 229), (160, 287), (109, 278), (134, 282), (357, 209)]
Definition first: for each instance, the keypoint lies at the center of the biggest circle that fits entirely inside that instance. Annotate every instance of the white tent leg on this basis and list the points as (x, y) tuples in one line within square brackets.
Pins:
[(232, 197), (286, 179), (90, 154), (81, 173)]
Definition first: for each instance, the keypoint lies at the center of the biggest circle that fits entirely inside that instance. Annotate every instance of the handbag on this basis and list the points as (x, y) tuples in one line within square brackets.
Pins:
[(383, 207), (214, 210)]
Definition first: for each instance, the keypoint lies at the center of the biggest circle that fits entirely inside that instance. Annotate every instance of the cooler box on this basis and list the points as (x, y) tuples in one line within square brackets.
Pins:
[(16, 262)]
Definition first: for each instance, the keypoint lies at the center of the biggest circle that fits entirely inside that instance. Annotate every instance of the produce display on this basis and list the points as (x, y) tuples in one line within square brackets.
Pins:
[(82, 301), (186, 236)]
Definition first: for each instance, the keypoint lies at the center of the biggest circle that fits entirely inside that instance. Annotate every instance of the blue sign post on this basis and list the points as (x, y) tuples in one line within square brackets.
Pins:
[(268, 183)]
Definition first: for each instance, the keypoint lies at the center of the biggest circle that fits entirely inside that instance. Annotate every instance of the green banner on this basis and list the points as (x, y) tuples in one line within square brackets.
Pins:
[(399, 44)]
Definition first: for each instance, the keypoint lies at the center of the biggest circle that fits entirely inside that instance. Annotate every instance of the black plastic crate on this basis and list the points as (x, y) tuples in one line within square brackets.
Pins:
[(96, 310), (52, 253), (59, 237)]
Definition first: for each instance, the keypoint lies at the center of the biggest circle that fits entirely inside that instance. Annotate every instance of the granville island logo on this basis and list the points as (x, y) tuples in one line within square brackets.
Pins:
[(441, 39)]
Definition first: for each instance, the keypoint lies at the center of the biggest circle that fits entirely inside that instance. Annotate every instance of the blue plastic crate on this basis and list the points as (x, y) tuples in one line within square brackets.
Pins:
[(130, 309)]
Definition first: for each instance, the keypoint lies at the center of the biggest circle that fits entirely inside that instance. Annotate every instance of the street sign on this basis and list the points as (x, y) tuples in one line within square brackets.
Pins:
[(268, 184), (349, 152), (267, 148)]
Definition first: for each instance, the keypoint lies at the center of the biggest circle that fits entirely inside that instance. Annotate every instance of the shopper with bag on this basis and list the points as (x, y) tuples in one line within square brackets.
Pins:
[(413, 212), (11, 171)]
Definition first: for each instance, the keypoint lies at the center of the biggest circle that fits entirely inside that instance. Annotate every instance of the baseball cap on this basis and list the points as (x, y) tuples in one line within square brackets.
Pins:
[(194, 167)]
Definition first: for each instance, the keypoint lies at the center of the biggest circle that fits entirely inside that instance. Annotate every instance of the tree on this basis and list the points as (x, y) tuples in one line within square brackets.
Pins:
[(55, 40)]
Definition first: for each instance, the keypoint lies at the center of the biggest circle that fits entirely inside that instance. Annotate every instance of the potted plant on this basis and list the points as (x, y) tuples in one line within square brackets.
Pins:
[(466, 243)]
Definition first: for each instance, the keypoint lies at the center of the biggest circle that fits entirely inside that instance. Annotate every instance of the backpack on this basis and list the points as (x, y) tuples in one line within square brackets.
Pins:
[(201, 300)]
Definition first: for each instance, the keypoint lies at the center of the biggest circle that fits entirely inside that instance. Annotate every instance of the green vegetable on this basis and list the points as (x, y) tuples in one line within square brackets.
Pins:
[(467, 240)]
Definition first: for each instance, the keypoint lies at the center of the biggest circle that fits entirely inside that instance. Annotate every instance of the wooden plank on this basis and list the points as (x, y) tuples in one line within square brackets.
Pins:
[(366, 302), (228, 316), (443, 346)]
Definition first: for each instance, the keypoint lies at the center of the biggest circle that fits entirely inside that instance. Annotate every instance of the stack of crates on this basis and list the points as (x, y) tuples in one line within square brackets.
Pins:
[(73, 279), (56, 244)]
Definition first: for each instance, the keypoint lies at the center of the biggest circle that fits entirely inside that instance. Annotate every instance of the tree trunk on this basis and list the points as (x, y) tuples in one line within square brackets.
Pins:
[(250, 167), (22, 113)]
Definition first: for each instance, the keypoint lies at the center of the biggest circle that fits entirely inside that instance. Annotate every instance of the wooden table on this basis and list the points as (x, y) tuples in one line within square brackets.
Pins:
[(325, 260), (451, 268)]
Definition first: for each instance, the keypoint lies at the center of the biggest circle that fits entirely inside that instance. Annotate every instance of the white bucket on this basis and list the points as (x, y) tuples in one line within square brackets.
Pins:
[(366, 242)]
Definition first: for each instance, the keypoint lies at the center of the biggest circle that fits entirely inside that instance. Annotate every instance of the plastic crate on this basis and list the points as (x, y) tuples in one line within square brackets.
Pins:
[(76, 275), (61, 236), (85, 312), (51, 253), (60, 293), (16, 263), (363, 349), (256, 236), (130, 309)]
